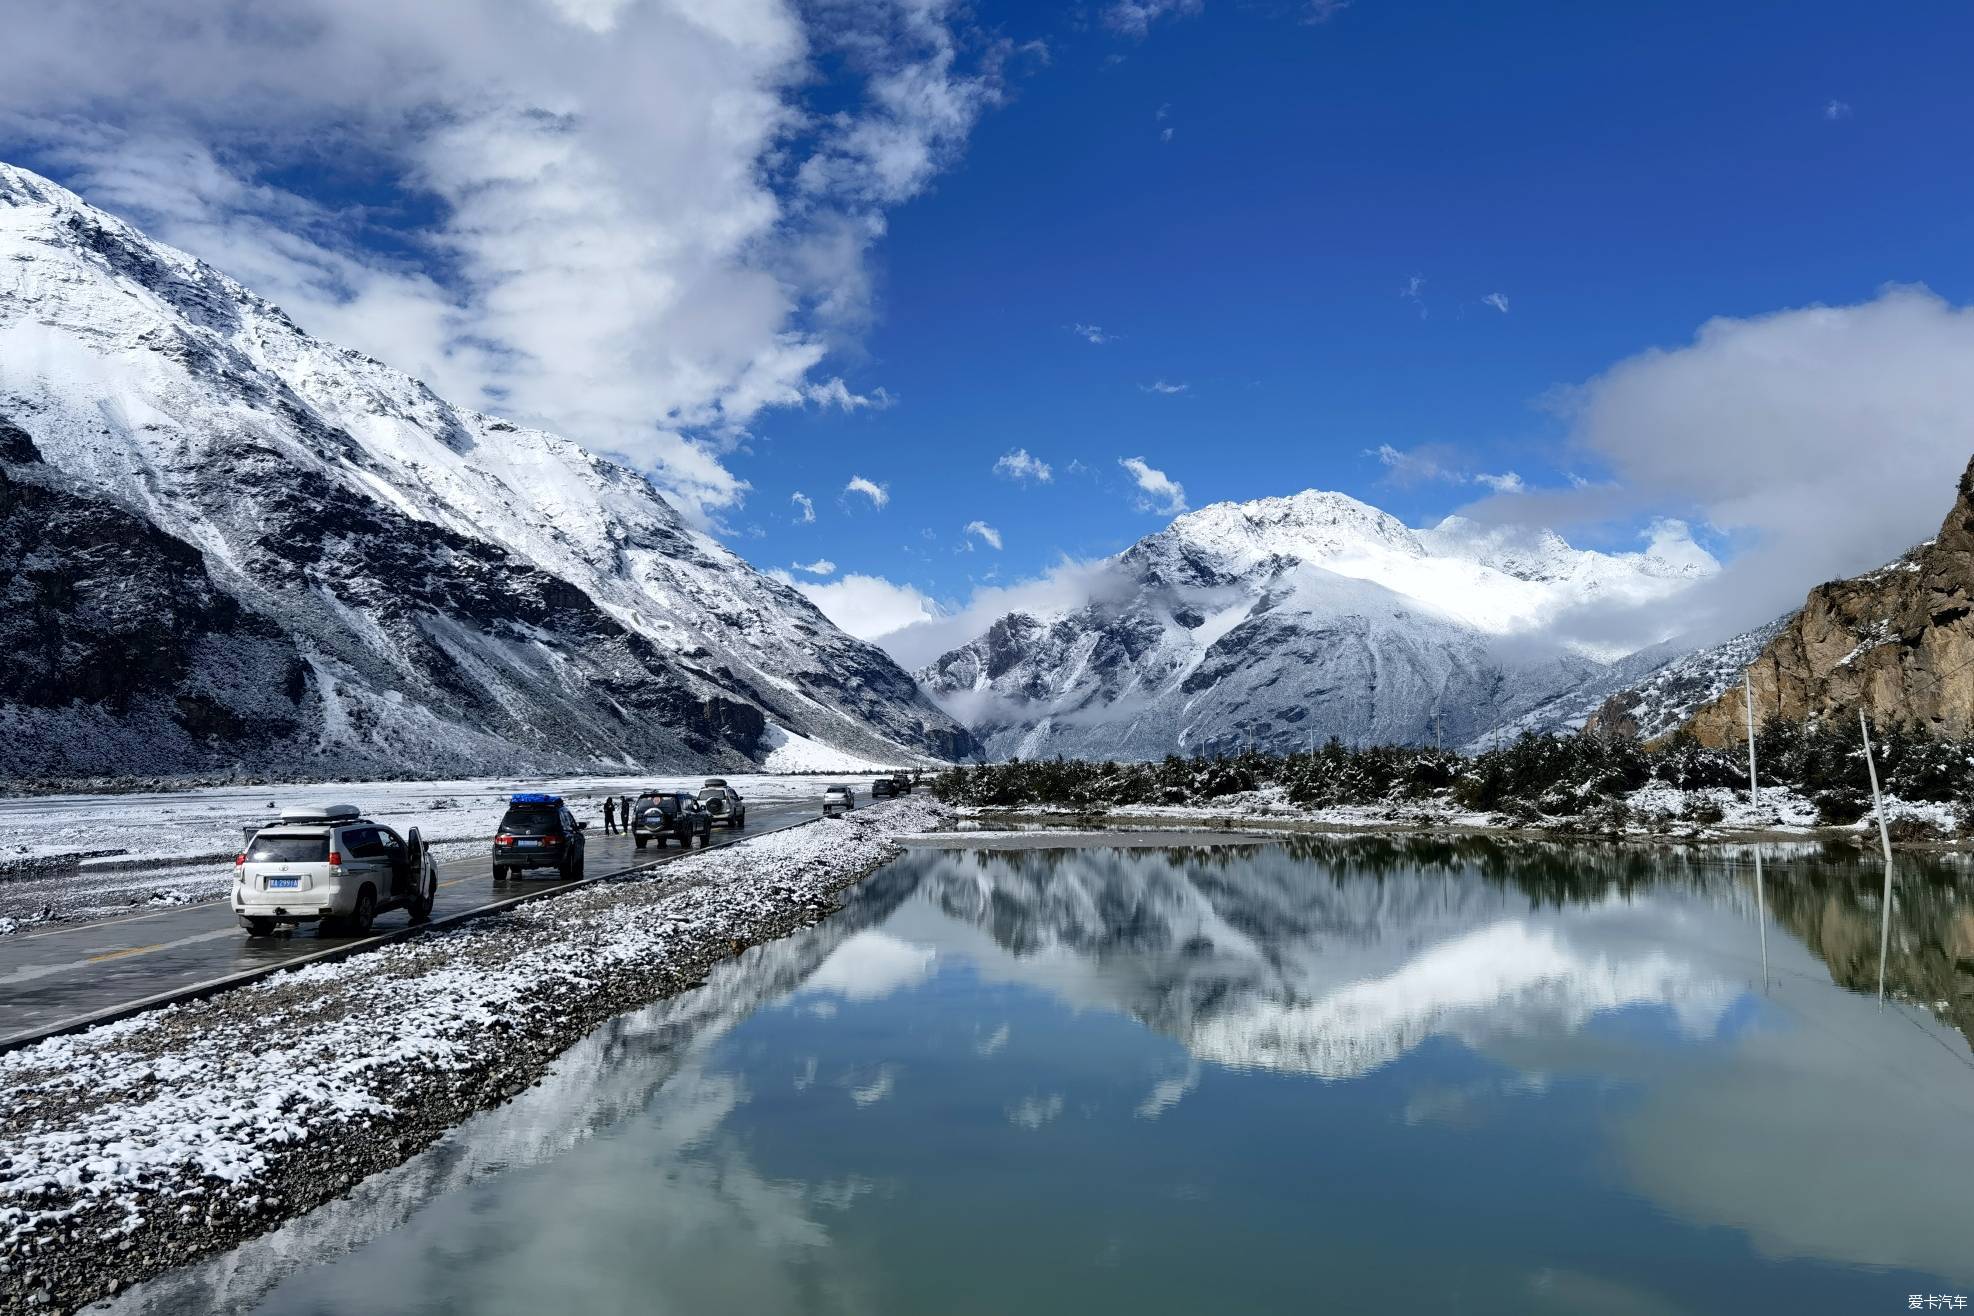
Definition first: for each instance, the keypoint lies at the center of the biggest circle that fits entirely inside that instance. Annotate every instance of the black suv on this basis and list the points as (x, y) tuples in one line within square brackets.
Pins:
[(661, 815), (883, 788), (538, 831)]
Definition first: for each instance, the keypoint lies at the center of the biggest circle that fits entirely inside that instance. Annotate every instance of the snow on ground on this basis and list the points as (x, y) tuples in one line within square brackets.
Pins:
[(207, 822), (199, 1124), (65, 857), (1655, 810), (793, 753)]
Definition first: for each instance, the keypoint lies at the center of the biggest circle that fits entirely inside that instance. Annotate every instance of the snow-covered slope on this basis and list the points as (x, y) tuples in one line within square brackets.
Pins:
[(233, 544), (1290, 619), (1660, 700)]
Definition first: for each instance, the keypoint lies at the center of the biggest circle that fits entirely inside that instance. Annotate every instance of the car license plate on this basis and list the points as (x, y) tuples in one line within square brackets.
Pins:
[(525, 845), (283, 883)]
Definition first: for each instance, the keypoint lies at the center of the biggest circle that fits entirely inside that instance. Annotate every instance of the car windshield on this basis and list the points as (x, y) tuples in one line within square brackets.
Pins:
[(289, 849), (713, 793), (537, 821), (666, 803)]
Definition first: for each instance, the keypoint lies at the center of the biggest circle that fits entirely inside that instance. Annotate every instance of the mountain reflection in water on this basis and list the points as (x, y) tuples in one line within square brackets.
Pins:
[(1316, 1073)]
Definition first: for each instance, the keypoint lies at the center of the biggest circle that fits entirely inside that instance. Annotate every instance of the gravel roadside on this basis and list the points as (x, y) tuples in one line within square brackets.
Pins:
[(133, 1148)]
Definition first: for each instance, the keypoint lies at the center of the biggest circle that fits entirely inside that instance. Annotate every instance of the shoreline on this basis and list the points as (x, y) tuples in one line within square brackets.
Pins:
[(133, 1148), (1197, 820)]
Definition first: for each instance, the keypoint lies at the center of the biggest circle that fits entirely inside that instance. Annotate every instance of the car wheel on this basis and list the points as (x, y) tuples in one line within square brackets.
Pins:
[(500, 873), (259, 927), (421, 908), (365, 912), (641, 841)]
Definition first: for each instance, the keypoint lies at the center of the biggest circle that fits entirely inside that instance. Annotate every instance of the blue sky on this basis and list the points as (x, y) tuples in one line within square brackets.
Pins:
[(1452, 234)]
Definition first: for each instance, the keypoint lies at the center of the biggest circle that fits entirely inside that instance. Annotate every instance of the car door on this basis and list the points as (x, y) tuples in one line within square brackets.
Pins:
[(364, 858), (396, 877)]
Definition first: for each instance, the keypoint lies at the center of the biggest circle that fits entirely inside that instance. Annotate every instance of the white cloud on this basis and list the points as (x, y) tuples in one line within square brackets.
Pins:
[(1409, 467), (878, 494), (1498, 300), (985, 532), (1018, 465), (1165, 135), (870, 607), (805, 508), (1091, 332), (619, 220), (1834, 110), (1069, 584), (1505, 483), (1414, 290), (1162, 387), (1162, 494), (822, 566), (1134, 18), (1823, 441)]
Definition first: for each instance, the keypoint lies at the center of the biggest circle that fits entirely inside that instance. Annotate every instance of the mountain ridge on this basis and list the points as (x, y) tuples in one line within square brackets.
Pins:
[(426, 588), (1286, 620)]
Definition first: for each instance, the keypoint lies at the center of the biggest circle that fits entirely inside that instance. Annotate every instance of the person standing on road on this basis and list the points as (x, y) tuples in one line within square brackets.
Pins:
[(609, 815), (624, 811)]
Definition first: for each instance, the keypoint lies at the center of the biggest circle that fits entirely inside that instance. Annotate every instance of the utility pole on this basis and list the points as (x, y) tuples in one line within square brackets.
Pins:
[(1754, 803), (1885, 843)]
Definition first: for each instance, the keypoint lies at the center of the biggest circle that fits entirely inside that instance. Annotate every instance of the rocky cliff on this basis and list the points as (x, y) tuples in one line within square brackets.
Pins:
[(1897, 642)]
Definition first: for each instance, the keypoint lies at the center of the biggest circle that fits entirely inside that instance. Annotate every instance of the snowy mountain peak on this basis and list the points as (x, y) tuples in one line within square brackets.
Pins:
[(1287, 619), (1311, 526), (348, 572)]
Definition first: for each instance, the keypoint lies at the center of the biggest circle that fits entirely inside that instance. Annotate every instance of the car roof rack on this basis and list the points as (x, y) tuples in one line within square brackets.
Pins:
[(320, 813), (533, 797)]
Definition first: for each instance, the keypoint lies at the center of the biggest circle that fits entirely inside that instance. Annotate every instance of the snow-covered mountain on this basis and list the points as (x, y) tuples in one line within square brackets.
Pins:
[(1290, 619), (229, 544)]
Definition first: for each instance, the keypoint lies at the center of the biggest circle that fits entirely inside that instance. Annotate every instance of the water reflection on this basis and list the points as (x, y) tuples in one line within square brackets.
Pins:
[(1319, 1073)]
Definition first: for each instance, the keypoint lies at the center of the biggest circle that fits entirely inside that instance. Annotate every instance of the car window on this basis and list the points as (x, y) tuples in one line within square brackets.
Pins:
[(290, 849), (364, 842), (525, 821), (391, 840)]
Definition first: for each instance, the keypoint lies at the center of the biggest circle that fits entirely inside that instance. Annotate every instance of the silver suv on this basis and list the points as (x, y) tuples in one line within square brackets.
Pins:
[(330, 865)]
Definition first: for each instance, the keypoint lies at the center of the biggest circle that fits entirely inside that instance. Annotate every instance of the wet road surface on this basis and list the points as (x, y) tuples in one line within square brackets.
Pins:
[(66, 971)]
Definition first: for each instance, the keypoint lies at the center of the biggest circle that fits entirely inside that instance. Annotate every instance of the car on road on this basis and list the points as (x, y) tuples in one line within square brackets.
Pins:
[(331, 866), (538, 831), (723, 802), (883, 788), (838, 797), (662, 816)]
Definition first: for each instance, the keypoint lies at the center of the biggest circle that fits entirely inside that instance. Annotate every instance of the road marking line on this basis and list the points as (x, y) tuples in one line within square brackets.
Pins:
[(119, 954), (29, 972)]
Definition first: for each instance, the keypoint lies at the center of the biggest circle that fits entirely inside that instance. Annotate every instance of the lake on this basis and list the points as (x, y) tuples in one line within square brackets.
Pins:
[(1305, 1075)]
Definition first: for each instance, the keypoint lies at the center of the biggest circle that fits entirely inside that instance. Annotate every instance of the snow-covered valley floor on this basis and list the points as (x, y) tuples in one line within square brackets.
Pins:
[(130, 1148), (94, 856)]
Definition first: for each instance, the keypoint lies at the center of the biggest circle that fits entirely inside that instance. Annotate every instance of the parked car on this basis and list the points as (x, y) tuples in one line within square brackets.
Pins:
[(723, 802), (838, 797), (664, 815), (331, 866), (883, 788), (538, 831)]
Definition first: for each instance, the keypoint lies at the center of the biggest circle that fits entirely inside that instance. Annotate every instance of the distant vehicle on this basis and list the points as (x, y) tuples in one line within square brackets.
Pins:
[(332, 866), (711, 782), (838, 797), (723, 802), (883, 788), (538, 831), (906, 783), (663, 815)]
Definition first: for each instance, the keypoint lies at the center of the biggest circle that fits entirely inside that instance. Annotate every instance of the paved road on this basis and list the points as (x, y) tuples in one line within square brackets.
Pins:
[(77, 969)]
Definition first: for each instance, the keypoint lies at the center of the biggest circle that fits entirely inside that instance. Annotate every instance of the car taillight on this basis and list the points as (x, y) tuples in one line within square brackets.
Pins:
[(239, 860), (551, 839), (335, 859), (503, 839)]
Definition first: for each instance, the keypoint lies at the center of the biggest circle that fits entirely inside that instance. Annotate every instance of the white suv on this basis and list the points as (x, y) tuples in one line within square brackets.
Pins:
[(333, 866)]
